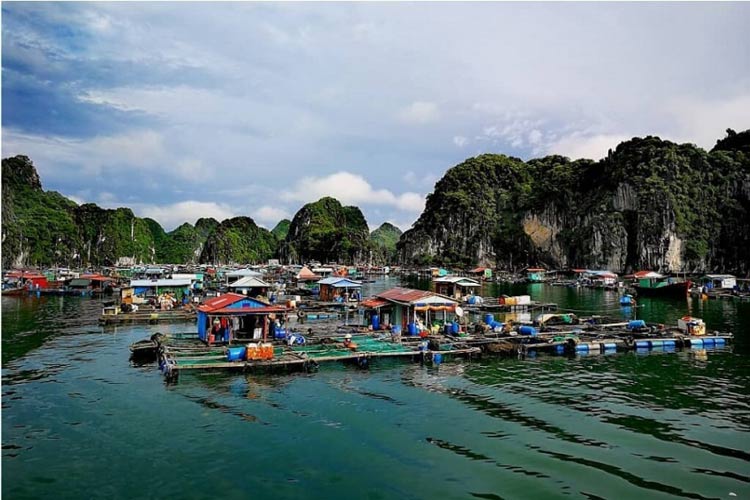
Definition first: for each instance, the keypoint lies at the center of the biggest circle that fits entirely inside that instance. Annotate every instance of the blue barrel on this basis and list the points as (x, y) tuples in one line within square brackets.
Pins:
[(489, 318), (396, 329), (236, 353), (559, 349), (669, 343), (625, 300), (375, 322), (279, 333), (527, 330), (696, 343), (437, 358), (312, 316), (455, 328), (447, 329), (610, 346), (720, 341), (642, 344), (412, 328), (657, 343), (636, 323), (582, 348), (709, 341)]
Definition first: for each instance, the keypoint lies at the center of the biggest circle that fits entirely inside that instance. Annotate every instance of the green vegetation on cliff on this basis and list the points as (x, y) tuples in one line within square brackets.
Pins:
[(328, 232), (240, 241), (649, 204), (281, 229), (38, 227), (184, 244), (109, 235), (384, 240)]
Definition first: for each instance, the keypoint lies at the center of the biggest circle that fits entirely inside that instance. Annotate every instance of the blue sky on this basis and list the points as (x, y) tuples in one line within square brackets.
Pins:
[(183, 110)]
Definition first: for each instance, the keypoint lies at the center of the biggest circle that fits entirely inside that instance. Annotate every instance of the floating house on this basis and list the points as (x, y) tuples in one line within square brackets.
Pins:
[(405, 308), (456, 286), (98, 283), (231, 317), (196, 279), (339, 289), (140, 291), (233, 276), (250, 286), (719, 281), (30, 280), (305, 275), (323, 272), (535, 274), (481, 273), (604, 278)]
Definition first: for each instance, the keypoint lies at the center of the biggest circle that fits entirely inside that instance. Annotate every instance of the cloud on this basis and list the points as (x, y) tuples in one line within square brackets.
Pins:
[(419, 113), (173, 215), (269, 216), (704, 121), (351, 188), (579, 145), (460, 141)]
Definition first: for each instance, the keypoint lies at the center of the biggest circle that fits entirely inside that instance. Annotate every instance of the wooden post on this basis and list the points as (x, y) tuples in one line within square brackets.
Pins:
[(265, 326)]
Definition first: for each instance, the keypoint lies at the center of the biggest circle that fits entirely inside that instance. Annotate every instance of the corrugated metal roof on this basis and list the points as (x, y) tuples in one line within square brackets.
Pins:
[(647, 274), (247, 310), (460, 280), (410, 296), (243, 272), (374, 303), (159, 282), (249, 282), (340, 282)]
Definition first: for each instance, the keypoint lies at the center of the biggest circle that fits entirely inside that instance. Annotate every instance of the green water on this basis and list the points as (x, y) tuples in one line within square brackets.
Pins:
[(80, 422)]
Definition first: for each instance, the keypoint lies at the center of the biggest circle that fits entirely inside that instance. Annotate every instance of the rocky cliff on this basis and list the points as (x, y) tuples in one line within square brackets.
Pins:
[(239, 241), (328, 232), (650, 204)]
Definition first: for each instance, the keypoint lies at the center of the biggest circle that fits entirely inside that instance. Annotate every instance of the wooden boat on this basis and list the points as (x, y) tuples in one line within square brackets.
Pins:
[(15, 292), (651, 284)]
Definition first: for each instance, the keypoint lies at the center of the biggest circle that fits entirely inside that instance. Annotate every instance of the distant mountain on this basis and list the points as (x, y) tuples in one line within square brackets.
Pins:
[(328, 232), (384, 241), (185, 243), (650, 204), (239, 241), (281, 229)]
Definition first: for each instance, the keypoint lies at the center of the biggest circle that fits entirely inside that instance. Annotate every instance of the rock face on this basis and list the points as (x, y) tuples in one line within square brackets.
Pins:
[(239, 241), (37, 227), (326, 231), (651, 204), (383, 241)]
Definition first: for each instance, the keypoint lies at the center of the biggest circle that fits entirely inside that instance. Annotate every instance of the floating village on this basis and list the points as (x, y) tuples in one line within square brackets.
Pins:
[(282, 318)]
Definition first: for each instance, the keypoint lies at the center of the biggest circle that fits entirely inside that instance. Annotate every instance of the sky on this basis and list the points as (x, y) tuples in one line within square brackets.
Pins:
[(188, 110)]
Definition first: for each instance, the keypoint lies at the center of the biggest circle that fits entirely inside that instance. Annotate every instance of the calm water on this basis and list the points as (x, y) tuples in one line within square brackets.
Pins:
[(80, 422)]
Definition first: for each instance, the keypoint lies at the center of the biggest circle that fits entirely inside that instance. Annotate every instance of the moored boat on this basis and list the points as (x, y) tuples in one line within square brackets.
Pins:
[(652, 284)]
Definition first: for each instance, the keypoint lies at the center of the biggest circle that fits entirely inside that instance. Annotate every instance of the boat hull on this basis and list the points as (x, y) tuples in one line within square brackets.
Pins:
[(680, 289)]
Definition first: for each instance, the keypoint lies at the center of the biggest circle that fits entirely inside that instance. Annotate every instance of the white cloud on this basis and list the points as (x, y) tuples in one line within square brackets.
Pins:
[(269, 216), (138, 150), (703, 122), (419, 113), (460, 141), (350, 188), (580, 145), (171, 216)]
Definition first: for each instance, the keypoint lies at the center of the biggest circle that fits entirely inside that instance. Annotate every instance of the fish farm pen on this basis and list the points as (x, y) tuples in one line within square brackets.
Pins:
[(176, 353)]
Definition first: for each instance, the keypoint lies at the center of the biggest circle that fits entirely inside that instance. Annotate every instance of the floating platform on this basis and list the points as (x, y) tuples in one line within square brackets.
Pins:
[(148, 317), (176, 355)]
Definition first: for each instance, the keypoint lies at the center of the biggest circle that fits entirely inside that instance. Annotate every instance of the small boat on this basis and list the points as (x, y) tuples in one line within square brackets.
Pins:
[(652, 284), (15, 291)]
